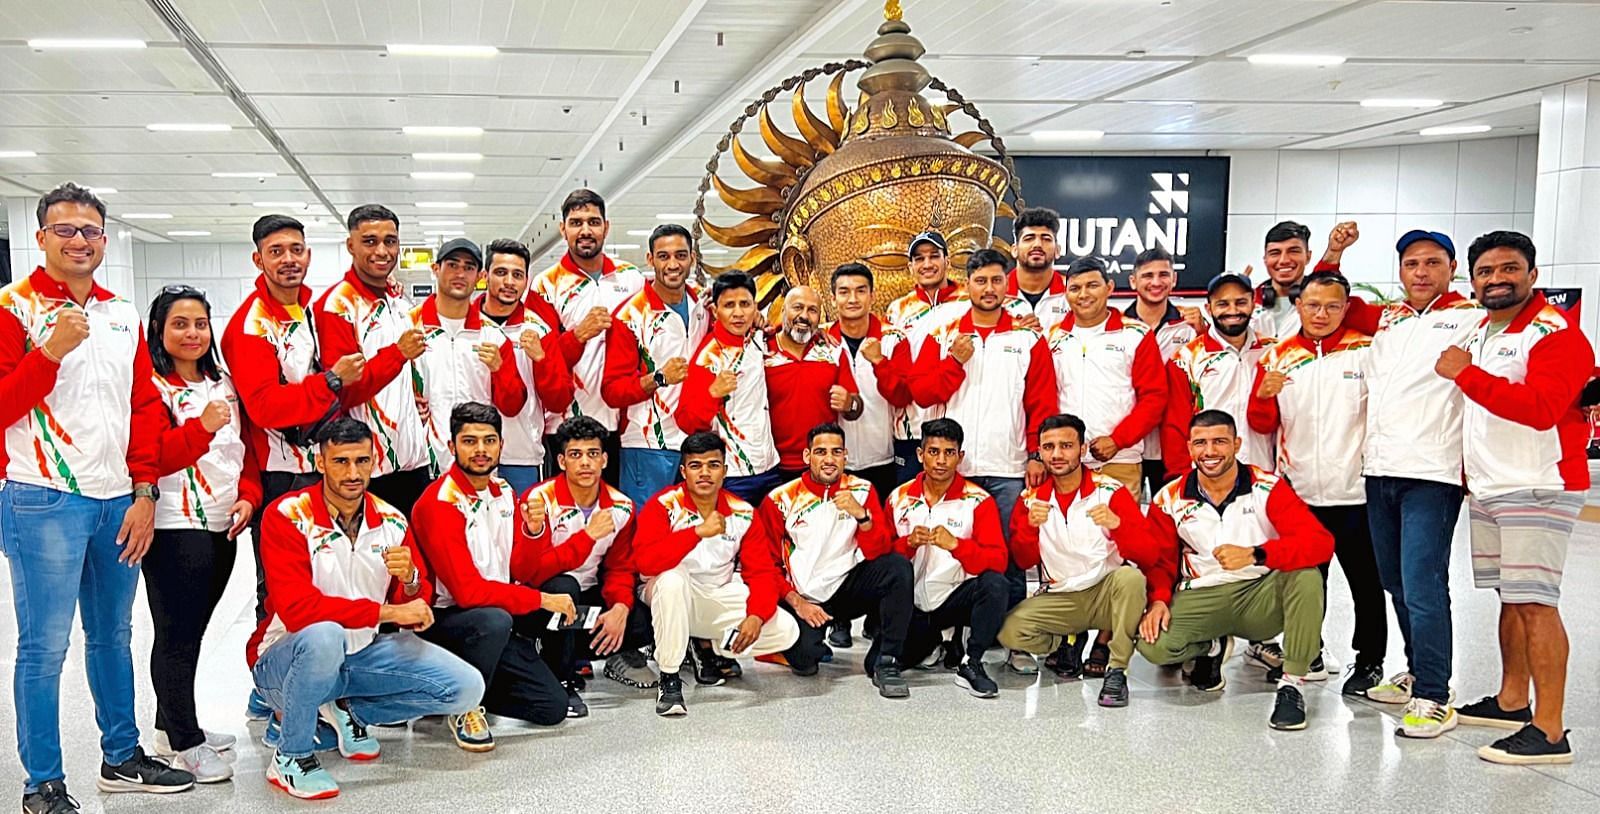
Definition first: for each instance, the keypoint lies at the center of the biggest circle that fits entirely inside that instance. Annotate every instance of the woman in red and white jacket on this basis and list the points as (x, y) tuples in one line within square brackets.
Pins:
[(210, 487)]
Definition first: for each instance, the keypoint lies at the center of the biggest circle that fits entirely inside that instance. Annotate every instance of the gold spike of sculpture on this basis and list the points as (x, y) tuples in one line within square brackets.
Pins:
[(748, 232), (757, 201), (774, 174), (838, 115), (816, 131), (792, 150)]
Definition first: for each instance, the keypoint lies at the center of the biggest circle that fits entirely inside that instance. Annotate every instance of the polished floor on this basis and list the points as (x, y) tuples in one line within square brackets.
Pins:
[(772, 742)]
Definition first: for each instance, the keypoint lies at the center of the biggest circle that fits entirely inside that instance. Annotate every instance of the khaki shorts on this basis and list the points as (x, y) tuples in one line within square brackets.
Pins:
[(1519, 543)]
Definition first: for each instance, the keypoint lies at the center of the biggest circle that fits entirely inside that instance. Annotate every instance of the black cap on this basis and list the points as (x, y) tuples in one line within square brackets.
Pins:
[(460, 244), (1228, 277), (1415, 235), (929, 236)]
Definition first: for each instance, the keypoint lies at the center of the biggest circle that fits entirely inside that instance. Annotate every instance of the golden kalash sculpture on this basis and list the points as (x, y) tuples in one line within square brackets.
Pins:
[(859, 184)]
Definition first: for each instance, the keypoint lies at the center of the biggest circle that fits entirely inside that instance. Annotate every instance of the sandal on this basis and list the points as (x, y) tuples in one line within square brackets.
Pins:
[(1095, 665)]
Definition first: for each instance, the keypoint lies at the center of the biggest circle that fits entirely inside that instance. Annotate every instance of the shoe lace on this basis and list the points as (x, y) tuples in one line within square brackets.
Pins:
[(307, 764), (1292, 696), (56, 793), (1398, 680), (1115, 681), (474, 723)]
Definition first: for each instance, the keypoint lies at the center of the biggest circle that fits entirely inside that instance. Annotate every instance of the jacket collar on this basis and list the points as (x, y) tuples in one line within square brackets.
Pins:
[(1530, 309), (368, 292), (727, 337), (276, 308), (1214, 342), (967, 326), (607, 265), (1047, 490), (1057, 285), (1172, 316), (819, 489), (428, 314), (724, 506), (1300, 340), (1244, 478), (835, 329), (957, 487), (947, 292), (562, 493), (50, 288), (324, 519), (1113, 321), (458, 476)]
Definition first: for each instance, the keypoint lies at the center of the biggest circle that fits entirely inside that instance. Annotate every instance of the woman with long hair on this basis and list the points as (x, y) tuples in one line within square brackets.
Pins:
[(210, 486)]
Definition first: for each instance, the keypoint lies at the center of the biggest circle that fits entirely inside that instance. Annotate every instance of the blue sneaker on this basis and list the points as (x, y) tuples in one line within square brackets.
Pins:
[(257, 708), (326, 739), (354, 742), (302, 777)]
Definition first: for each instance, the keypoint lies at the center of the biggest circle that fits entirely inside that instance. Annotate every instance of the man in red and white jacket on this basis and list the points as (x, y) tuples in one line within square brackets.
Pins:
[(585, 527), (949, 528), (365, 313), (1174, 326), (466, 526), (726, 389), (1311, 390), (585, 287), (1243, 549), (1109, 372), (907, 319), (865, 345), (1035, 294), (809, 379), (834, 541), (689, 541), (345, 589), (1527, 466), (1079, 528)]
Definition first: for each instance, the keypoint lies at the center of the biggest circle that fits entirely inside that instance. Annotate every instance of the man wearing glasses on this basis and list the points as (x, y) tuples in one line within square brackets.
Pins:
[(81, 416)]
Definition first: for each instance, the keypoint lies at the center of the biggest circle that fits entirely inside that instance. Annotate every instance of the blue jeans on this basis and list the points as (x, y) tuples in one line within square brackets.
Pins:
[(63, 551), (1413, 522), (521, 478), (1005, 492), (754, 488), (905, 460), (645, 472), (395, 678)]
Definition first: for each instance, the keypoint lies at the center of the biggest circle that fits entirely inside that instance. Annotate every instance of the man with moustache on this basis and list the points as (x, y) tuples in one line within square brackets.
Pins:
[(365, 313), (808, 380), (651, 338), (907, 319), (1153, 280), (1287, 252), (1035, 293), (585, 287), (529, 322)]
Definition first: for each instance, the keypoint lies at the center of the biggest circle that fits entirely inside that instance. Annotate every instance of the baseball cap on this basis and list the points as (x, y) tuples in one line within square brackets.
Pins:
[(1422, 234), (1228, 277), (929, 236), (460, 244)]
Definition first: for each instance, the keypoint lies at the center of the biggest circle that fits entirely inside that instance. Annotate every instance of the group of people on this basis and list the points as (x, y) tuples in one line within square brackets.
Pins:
[(459, 506)]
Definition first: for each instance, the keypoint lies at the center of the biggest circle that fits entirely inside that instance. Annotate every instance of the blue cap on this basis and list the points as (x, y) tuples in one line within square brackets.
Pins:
[(1422, 234), (1226, 278), (930, 237)]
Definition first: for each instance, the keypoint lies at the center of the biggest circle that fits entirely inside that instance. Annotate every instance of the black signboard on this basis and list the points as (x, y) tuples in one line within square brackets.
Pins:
[(1117, 206)]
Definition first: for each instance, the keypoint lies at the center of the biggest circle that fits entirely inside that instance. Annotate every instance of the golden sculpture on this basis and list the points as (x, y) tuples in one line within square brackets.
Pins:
[(858, 185)]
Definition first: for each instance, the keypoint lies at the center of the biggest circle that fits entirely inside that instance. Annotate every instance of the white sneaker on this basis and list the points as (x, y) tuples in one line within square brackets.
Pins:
[(1426, 719), (1265, 655), (1397, 690), (1023, 664), (220, 742), (204, 763)]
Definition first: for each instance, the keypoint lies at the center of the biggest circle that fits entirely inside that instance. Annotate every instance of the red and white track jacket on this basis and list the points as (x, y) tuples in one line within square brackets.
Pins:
[(1074, 553), (1524, 429), (666, 538), (353, 317), (548, 382), (742, 417), (203, 473), (90, 425), (1171, 334), (453, 374), (470, 540), (908, 323), (1112, 376), (271, 356), (573, 293), (317, 574), (567, 548), (882, 390), (797, 392), (1052, 307), (1320, 416), (1209, 374), (1262, 511), (971, 516), (818, 543), (982, 394), (644, 334)]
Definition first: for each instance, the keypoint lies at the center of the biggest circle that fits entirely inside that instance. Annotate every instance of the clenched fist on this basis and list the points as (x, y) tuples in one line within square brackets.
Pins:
[(533, 510), (713, 525), (1104, 517), (1038, 512), (488, 354), (961, 349), (215, 415), (71, 328), (600, 524), (412, 344), (838, 399), (398, 560), (594, 323), (1343, 236), (1452, 361), (349, 368), (725, 383), (872, 350), (1271, 384), (532, 345), (675, 370), (846, 502)]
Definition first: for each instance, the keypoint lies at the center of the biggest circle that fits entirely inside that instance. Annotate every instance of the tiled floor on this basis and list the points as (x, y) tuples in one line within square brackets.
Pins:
[(773, 742)]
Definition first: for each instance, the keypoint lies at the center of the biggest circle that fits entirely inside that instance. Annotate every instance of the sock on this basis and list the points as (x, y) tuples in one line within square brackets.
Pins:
[(1291, 681)]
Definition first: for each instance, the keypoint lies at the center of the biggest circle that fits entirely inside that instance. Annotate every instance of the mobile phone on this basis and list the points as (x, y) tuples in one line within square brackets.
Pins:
[(585, 619), (728, 637)]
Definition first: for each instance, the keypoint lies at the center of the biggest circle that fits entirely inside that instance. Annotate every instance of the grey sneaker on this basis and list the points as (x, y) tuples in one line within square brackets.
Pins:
[(631, 668), (1023, 664), (205, 763)]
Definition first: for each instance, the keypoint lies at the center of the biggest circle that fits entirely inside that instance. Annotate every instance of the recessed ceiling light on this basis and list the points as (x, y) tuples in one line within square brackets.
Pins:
[(189, 233), (441, 130), (443, 232), (280, 204), (675, 216), (441, 223), (1454, 130), (244, 175), (430, 50), (48, 44), (441, 204), (146, 216), (442, 176), (624, 246), (1319, 60), (1401, 102), (324, 239), (18, 154), (447, 156), (1068, 135), (189, 127), (103, 190), (714, 251), (639, 232)]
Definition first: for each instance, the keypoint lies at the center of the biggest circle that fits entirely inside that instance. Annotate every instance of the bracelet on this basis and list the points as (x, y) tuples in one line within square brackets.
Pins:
[(48, 355)]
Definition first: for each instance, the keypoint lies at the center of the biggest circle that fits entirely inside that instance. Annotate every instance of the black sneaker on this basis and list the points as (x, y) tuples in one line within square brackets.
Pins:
[(50, 798), (143, 773), (1486, 711), (1289, 711), (1206, 674), (576, 708), (669, 696), (712, 670), (1363, 677), (1527, 746), (1065, 662), (888, 680), (971, 677), (954, 654), (1114, 689), (839, 636)]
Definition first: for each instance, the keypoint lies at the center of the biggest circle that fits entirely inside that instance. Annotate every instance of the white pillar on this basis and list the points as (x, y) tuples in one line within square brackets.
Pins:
[(21, 224), (1566, 213), (116, 270)]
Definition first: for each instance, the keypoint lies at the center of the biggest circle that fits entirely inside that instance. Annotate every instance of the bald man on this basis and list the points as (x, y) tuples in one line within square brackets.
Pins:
[(808, 380)]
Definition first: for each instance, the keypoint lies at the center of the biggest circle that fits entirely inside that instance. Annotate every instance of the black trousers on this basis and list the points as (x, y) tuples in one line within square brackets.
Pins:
[(563, 649), (884, 478), (1352, 545), (906, 465), (612, 444), (882, 585), (401, 489), (185, 573), (273, 486), (517, 682), (1155, 477), (979, 604)]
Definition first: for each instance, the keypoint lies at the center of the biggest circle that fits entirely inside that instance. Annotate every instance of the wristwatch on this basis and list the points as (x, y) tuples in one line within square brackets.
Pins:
[(661, 379), (1259, 554), (1034, 456), (334, 382), (149, 491)]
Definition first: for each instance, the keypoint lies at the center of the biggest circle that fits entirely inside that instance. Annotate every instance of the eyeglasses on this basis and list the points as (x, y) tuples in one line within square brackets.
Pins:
[(180, 288), (67, 231)]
